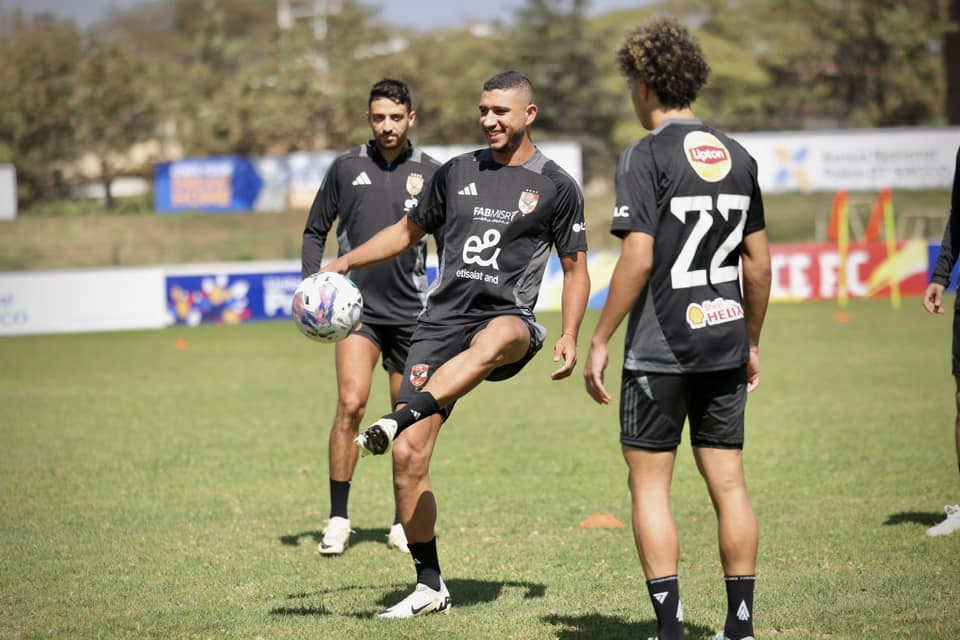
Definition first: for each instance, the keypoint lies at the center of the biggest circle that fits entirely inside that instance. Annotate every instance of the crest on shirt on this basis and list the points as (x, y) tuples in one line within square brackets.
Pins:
[(528, 202), (418, 375), (414, 184)]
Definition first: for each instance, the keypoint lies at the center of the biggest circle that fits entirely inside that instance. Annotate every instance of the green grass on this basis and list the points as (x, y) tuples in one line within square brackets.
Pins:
[(156, 492)]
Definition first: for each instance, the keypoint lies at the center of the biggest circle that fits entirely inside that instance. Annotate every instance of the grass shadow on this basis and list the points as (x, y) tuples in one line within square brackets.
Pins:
[(465, 593), (314, 537), (596, 625), (925, 518)]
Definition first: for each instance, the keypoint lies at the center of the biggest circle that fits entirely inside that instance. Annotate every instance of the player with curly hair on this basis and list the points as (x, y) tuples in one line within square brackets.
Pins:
[(690, 215)]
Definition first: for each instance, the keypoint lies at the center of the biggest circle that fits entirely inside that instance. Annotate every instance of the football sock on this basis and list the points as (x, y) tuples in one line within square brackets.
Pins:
[(339, 495), (739, 606), (396, 516), (421, 406), (427, 563), (665, 597)]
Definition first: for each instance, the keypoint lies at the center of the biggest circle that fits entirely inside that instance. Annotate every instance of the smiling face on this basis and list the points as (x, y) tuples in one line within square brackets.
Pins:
[(505, 117), (389, 121)]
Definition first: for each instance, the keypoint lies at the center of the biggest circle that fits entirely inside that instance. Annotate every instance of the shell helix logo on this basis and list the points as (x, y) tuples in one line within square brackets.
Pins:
[(707, 155), (713, 312)]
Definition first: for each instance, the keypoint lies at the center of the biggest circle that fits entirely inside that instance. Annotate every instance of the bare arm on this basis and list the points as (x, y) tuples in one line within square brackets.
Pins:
[(387, 243), (629, 279), (755, 255), (574, 297)]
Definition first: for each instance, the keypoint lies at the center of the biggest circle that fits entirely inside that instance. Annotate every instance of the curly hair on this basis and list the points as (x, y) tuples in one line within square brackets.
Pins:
[(662, 53)]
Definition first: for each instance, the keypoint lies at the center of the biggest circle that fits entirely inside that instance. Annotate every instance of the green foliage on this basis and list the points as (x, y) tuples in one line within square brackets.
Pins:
[(218, 77), (152, 491)]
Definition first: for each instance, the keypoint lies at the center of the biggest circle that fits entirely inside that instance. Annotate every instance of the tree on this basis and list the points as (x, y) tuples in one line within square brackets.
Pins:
[(112, 105), (37, 60)]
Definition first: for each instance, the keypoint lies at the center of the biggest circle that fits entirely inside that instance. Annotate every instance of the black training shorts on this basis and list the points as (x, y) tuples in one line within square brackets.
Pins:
[(393, 340), (433, 345), (653, 407)]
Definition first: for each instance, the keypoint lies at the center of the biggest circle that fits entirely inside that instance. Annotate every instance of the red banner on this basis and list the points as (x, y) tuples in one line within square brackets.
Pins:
[(811, 271)]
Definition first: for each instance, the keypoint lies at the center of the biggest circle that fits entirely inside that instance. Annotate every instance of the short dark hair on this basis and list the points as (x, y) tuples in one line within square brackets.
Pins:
[(396, 90), (662, 53), (509, 79)]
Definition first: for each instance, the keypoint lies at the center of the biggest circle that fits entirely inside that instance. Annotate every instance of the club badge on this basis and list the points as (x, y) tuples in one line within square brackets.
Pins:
[(414, 184), (528, 202), (418, 375)]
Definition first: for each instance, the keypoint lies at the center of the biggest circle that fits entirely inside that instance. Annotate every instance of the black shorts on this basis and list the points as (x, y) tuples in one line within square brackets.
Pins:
[(393, 340), (653, 407), (434, 345)]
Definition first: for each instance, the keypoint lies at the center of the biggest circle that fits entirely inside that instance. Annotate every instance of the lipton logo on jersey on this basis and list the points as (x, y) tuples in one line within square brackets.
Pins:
[(528, 202), (418, 375), (713, 312), (414, 184), (707, 155)]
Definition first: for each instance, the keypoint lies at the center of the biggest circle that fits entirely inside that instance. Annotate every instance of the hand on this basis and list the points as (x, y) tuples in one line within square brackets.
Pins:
[(593, 373), (933, 298), (566, 350), (340, 265), (753, 370)]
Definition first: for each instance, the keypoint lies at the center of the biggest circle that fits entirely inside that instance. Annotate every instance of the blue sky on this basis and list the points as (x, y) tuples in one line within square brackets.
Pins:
[(426, 14)]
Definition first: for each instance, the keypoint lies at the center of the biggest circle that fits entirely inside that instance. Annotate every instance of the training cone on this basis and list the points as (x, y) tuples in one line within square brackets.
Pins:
[(181, 344), (601, 521)]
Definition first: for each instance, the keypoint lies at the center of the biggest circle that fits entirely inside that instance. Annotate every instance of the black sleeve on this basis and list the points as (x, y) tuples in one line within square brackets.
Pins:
[(755, 217), (950, 245), (322, 214)]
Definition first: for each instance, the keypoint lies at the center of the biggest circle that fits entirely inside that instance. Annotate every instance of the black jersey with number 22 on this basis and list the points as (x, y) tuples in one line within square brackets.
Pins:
[(695, 191)]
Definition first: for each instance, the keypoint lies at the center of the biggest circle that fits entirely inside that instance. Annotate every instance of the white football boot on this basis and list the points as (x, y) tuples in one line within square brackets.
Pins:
[(335, 537), (397, 538), (949, 525), (377, 437), (422, 601)]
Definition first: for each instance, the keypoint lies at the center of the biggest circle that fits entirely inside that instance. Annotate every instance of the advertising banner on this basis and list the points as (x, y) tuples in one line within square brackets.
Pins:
[(854, 159), (78, 301), (212, 185)]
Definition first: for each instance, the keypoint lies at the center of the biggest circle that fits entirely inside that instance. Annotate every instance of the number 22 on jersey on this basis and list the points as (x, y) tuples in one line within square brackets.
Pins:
[(682, 275)]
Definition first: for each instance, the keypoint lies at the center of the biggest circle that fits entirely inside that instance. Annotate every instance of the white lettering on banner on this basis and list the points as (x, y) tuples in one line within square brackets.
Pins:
[(830, 270), (278, 294), (474, 246), (797, 267), (11, 316)]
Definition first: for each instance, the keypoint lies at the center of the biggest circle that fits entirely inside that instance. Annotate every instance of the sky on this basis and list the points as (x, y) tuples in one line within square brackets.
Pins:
[(422, 14)]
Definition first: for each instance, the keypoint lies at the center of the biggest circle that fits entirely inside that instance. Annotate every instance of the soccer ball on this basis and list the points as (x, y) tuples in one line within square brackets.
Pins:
[(327, 306)]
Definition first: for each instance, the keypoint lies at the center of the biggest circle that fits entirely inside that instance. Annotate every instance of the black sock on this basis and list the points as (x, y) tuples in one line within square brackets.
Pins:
[(665, 596), (739, 607), (339, 495), (396, 515), (421, 406), (427, 563)]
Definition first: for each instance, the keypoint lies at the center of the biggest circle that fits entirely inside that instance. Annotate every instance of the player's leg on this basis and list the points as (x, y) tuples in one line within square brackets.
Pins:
[(652, 411), (502, 341), (397, 537), (356, 357), (717, 406), (417, 506)]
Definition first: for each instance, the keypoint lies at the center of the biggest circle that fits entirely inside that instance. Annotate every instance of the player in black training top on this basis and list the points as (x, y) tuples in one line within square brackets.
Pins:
[(690, 214), (500, 210), (933, 303), (369, 188)]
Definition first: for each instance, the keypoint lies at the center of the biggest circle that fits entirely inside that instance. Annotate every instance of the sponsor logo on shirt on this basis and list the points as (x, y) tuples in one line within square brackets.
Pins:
[(623, 211), (713, 312), (414, 184), (469, 190), (528, 202), (579, 226), (418, 375), (362, 179), (497, 216), (707, 155), (475, 246)]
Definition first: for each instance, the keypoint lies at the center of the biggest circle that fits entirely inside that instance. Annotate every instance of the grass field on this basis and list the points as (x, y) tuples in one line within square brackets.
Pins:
[(150, 491)]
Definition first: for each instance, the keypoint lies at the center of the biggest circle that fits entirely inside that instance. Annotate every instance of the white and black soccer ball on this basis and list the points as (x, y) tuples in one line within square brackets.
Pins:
[(327, 306)]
